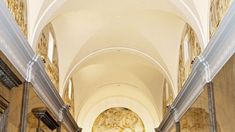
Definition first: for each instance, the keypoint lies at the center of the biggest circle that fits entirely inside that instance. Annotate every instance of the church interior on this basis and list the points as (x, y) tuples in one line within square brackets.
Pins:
[(117, 65)]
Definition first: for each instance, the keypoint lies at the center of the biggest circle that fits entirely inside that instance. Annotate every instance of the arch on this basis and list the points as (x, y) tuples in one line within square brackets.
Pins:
[(118, 102), (191, 18), (96, 104), (43, 20), (101, 51), (185, 9)]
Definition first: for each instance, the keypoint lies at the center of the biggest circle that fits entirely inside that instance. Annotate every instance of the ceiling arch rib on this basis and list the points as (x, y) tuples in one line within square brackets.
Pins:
[(55, 7), (133, 44), (43, 19), (121, 68), (190, 14), (105, 51), (105, 98), (151, 41)]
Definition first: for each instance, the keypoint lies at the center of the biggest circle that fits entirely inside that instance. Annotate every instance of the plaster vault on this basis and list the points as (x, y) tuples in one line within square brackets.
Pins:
[(118, 45)]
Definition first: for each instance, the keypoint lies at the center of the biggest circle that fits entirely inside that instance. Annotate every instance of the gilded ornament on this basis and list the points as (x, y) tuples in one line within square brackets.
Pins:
[(18, 9), (118, 120)]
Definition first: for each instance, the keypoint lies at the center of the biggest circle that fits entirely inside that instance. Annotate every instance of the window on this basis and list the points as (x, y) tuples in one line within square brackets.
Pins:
[(50, 47), (186, 49), (167, 91), (70, 86)]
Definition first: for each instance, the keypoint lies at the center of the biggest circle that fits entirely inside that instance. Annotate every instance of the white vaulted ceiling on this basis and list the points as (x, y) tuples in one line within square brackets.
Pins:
[(118, 73), (149, 31), (119, 50)]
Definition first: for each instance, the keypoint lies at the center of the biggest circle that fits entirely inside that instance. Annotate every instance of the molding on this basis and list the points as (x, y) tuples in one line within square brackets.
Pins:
[(7, 76), (167, 122), (219, 50), (16, 48), (44, 115)]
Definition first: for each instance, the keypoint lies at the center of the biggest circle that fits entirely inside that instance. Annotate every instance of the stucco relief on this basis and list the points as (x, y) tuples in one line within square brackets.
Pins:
[(118, 120), (189, 50), (42, 49), (218, 9), (18, 9)]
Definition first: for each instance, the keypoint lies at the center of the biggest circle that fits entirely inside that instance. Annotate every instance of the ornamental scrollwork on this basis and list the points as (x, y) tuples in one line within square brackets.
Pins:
[(18, 9)]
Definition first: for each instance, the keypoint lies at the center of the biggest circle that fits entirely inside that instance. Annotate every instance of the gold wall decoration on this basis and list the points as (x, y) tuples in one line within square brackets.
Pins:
[(218, 9), (51, 68), (168, 97), (189, 50), (18, 9), (118, 120)]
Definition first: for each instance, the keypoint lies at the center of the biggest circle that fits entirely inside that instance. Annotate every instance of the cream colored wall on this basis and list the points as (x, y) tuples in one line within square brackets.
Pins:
[(203, 9)]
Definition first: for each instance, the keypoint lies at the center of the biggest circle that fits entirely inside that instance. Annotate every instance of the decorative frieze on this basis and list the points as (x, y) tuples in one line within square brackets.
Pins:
[(18, 9)]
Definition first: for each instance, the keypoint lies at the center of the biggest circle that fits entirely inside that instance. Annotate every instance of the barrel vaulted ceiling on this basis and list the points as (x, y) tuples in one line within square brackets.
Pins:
[(131, 46)]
